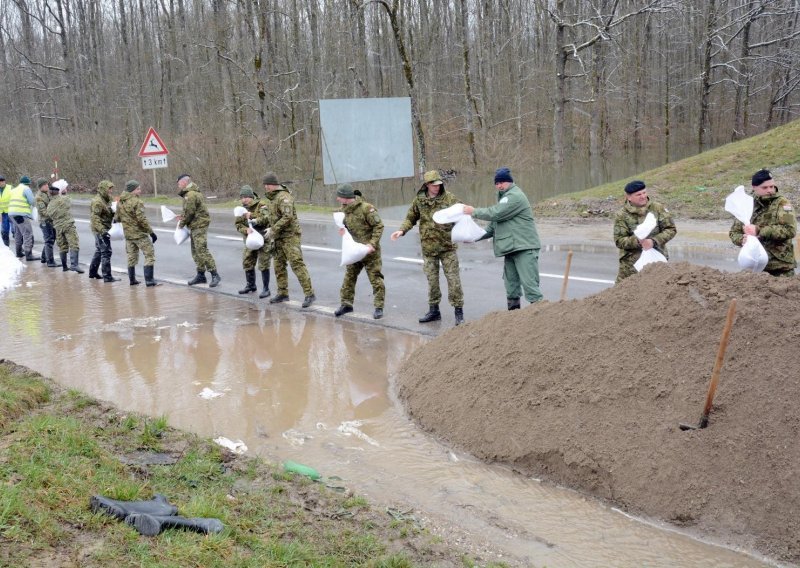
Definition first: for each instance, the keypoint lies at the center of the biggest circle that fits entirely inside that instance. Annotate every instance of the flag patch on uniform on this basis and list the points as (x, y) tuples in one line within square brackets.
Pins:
[(787, 207)]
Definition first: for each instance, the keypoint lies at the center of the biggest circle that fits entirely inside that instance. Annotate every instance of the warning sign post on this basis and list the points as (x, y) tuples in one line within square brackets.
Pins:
[(153, 154)]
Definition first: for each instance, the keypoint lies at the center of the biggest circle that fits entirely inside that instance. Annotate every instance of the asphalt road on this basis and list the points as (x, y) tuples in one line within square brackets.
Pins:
[(593, 268)]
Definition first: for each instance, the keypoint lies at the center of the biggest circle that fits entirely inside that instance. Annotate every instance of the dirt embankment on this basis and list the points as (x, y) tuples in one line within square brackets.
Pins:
[(589, 394)]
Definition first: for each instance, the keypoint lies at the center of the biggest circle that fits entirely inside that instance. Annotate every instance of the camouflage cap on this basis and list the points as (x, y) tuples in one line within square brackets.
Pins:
[(105, 184), (345, 191), (433, 177), (246, 191), (131, 185), (40, 182)]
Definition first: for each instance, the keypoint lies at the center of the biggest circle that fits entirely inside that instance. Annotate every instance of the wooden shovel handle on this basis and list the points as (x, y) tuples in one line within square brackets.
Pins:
[(566, 278), (723, 345)]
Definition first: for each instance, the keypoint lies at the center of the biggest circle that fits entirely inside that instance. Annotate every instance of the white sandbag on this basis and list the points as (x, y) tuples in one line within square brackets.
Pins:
[(649, 256), (450, 215), (114, 206), (646, 227), (352, 251), (35, 214), (466, 230), (181, 234), (254, 240), (116, 233), (60, 184), (167, 214), (740, 205), (239, 211), (338, 218), (753, 256)]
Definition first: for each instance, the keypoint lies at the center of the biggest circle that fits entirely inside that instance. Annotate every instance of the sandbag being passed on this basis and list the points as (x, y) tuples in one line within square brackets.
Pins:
[(116, 233), (254, 240), (753, 257), (181, 234), (352, 251), (649, 256), (466, 230)]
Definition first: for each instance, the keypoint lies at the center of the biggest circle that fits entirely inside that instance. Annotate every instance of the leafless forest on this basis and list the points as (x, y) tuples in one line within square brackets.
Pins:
[(233, 85)]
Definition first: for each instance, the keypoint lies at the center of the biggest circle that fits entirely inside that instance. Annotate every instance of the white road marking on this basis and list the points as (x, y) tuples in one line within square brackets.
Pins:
[(406, 259)]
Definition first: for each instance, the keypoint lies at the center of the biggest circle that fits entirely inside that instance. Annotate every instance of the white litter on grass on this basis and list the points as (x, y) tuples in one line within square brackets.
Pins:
[(208, 394), (295, 437), (351, 428), (237, 447), (10, 268)]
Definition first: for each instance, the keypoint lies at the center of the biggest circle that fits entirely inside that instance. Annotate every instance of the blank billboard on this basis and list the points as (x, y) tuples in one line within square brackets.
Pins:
[(366, 139)]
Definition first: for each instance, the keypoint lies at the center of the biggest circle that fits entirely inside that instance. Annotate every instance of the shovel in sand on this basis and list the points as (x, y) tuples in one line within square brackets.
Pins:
[(712, 387)]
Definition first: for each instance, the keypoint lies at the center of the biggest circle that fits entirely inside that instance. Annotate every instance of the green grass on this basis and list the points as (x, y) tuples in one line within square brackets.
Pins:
[(58, 447), (696, 187)]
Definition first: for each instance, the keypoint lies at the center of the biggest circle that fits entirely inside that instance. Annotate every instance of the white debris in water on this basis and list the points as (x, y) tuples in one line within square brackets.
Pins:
[(351, 428), (208, 394), (237, 447), (10, 268), (295, 437), (321, 426), (187, 325), (453, 457)]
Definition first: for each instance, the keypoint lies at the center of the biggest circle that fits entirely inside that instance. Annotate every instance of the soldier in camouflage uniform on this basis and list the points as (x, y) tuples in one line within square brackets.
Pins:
[(45, 222), (437, 245), (253, 204), (773, 223), (361, 219), (100, 218), (197, 219), (139, 236), (637, 206), (279, 214), (60, 211)]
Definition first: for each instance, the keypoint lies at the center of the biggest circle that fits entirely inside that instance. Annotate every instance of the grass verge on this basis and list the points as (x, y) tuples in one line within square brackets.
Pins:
[(59, 447)]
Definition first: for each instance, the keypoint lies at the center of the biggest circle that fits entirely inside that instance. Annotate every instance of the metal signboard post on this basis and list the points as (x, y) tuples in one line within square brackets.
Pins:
[(153, 154)]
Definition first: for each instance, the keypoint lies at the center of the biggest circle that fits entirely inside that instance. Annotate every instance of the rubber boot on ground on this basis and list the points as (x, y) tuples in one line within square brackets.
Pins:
[(48, 251), (73, 262), (158, 505), (215, 279), (93, 266), (513, 303), (132, 276), (149, 279), (64, 266), (199, 278), (105, 268), (459, 316), (433, 314), (250, 275), (30, 257), (151, 525), (265, 293)]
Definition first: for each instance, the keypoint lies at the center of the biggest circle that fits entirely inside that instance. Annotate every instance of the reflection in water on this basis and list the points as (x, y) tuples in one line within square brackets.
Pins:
[(312, 389)]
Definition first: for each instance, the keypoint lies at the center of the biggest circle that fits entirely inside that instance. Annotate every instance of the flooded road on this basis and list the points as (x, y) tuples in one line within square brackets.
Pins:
[(316, 390)]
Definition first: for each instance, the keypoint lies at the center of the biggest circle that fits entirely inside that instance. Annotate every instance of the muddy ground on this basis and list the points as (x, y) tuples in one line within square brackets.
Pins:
[(589, 394)]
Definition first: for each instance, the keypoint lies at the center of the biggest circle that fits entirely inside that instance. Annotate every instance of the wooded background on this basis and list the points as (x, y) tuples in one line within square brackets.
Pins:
[(232, 86)]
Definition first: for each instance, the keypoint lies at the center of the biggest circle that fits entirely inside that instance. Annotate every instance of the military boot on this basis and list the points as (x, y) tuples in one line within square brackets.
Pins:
[(93, 266), (459, 316), (200, 278), (265, 293), (158, 505), (73, 262), (433, 314), (30, 257), (250, 275), (106, 270), (149, 279), (151, 525), (64, 266), (513, 303), (215, 279), (132, 276), (48, 250)]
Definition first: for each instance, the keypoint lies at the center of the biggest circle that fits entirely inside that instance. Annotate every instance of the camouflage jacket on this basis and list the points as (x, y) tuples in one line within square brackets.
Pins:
[(100, 213), (777, 227), (254, 208), (279, 214), (363, 223), (42, 201), (435, 238), (630, 217), (60, 212), (195, 212), (130, 212)]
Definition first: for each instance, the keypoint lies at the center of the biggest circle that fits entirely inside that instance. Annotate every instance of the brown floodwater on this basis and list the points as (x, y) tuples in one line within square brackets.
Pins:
[(315, 390)]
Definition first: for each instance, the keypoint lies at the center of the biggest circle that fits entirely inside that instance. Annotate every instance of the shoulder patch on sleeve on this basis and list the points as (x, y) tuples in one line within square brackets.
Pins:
[(787, 207), (372, 210), (503, 200)]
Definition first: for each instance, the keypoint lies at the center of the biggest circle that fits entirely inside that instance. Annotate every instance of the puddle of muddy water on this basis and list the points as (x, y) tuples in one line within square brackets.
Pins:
[(314, 390)]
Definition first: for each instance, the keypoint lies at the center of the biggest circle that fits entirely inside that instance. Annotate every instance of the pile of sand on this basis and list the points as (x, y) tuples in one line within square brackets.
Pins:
[(589, 394)]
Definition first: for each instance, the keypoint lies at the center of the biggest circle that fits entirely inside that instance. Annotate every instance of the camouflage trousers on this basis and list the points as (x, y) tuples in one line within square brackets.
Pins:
[(373, 264), (288, 251), (262, 256), (449, 262), (200, 254), (67, 238), (521, 273), (626, 268), (144, 244)]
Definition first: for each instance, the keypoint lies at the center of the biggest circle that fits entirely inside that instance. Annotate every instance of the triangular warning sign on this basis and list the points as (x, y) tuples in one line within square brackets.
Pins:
[(152, 146)]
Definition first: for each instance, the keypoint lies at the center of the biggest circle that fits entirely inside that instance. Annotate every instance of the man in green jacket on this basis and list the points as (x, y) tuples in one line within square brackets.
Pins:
[(196, 217), (100, 218), (45, 222), (139, 236), (261, 256), (437, 245), (633, 213), (60, 211), (516, 239), (773, 223)]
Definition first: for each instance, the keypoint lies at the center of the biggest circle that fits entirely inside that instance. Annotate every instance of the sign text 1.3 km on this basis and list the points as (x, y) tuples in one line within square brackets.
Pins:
[(153, 151)]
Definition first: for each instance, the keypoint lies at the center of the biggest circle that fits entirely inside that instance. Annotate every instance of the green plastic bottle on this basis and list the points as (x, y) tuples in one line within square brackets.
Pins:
[(301, 469)]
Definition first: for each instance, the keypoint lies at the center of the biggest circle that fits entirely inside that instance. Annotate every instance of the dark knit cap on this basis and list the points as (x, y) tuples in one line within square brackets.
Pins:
[(502, 175), (634, 186), (246, 191), (40, 182), (131, 184), (345, 191), (2, 177), (271, 179), (180, 177), (760, 177), (25, 179)]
